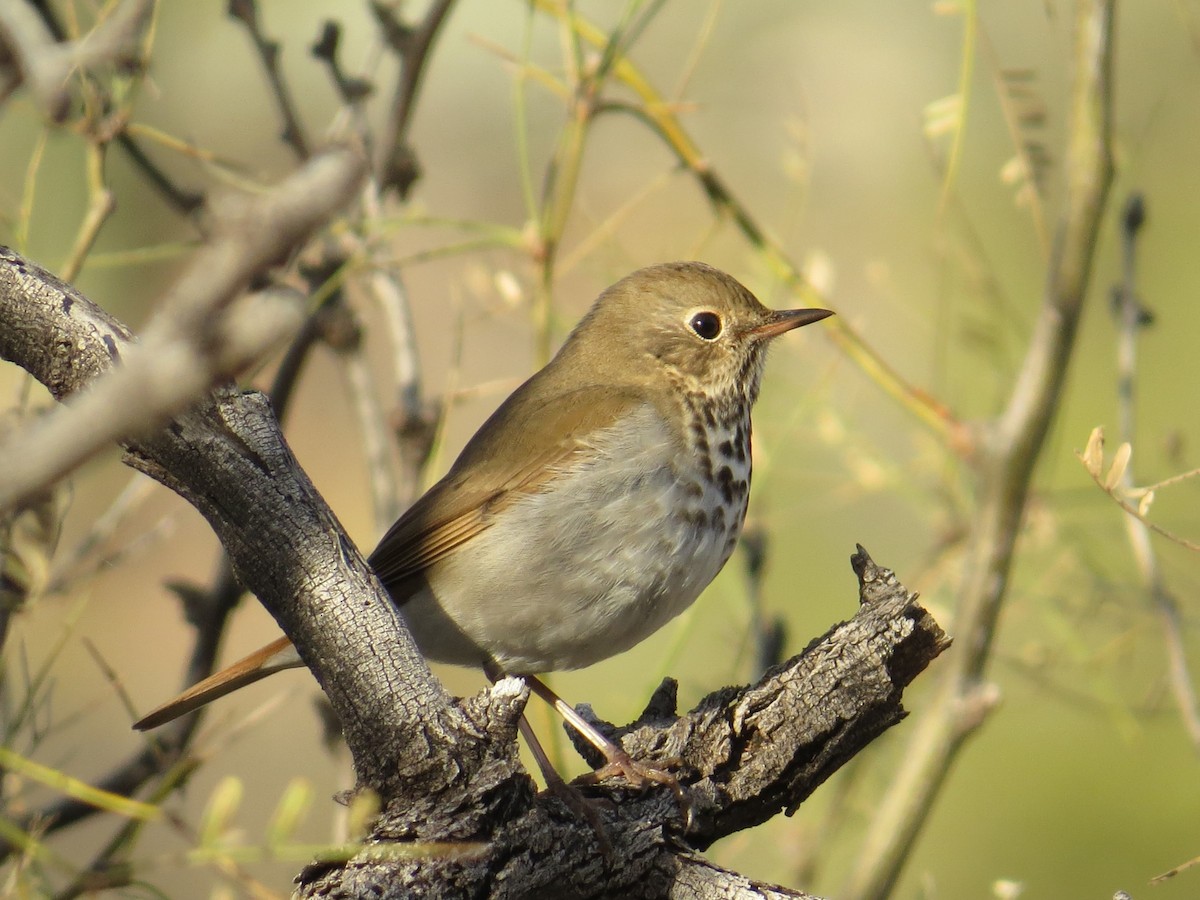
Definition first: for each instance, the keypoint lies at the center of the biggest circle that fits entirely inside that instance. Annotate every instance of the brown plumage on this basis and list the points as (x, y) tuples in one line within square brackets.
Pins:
[(596, 503)]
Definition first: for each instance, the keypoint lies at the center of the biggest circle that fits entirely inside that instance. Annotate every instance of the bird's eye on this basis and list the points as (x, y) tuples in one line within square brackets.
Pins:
[(706, 324)]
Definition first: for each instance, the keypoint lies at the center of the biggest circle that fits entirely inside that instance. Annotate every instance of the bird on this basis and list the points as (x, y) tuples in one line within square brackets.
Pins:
[(593, 506)]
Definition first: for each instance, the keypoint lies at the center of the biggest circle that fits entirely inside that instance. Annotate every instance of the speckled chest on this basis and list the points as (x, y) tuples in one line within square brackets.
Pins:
[(719, 441)]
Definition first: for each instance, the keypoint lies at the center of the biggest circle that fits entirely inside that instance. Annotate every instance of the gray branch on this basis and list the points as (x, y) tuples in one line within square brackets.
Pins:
[(46, 66), (205, 331)]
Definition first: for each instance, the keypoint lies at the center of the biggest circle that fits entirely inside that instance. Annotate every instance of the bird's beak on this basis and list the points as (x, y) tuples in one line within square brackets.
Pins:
[(782, 320)]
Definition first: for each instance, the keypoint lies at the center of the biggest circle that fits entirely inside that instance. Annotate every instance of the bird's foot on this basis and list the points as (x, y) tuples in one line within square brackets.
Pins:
[(620, 763), (641, 776)]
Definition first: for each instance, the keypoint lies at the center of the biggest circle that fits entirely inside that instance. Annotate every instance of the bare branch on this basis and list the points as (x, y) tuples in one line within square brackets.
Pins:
[(1131, 316), (246, 12), (414, 421), (46, 65), (198, 338), (396, 166)]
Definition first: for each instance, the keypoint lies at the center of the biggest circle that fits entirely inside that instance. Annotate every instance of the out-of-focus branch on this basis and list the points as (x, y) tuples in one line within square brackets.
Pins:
[(1009, 454), (199, 337), (246, 12), (183, 200), (1131, 316), (413, 420), (395, 164), (376, 445), (46, 65), (326, 48)]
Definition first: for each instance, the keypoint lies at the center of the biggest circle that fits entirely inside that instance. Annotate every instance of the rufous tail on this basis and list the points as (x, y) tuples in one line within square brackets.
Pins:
[(275, 657)]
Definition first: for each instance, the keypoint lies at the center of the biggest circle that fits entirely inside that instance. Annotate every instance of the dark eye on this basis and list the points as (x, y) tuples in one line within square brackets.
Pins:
[(706, 324)]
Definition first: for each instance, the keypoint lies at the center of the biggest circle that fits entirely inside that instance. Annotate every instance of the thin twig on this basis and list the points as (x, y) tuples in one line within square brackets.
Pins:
[(199, 336), (323, 282), (209, 612), (1134, 512), (184, 200), (413, 421), (1018, 122), (360, 385), (966, 69), (394, 164), (327, 49), (101, 204), (136, 490), (246, 12), (1131, 316)]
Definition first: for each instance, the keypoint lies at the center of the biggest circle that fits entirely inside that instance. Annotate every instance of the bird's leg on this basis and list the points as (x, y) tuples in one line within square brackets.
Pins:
[(554, 782), (563, 791), (619, 762)]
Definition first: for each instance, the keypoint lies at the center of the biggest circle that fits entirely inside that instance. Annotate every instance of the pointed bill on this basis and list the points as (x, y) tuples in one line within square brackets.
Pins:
[(782, 320)]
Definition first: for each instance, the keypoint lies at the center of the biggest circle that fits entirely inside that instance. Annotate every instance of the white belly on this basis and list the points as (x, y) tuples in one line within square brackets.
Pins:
[(605, 557)]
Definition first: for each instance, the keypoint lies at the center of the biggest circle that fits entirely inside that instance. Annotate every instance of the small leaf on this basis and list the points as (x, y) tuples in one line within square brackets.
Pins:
[(942, 116), (1119, 465), (222, 807), (293, 807), (1093, 453), (363, 810), (1144, 504)]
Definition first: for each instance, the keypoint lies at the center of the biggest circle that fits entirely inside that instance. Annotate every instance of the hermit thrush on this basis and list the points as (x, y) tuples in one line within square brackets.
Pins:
[(596, 503)]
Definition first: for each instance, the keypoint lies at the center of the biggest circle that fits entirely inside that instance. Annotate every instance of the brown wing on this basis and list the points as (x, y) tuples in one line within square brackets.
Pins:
[(507, 458)]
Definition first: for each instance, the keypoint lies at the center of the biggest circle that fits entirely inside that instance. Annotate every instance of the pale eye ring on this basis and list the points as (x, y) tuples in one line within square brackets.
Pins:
[(706, 325)]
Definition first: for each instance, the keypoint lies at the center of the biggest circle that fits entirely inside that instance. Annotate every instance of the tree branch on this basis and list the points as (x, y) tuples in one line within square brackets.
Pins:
[(396, 166), (199, 337), (46, 65)]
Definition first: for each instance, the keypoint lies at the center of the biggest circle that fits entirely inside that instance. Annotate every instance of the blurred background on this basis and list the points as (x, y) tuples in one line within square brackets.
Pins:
[(830, 123)]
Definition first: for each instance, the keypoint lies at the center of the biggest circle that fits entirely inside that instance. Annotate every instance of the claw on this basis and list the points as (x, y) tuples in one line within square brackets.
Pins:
[(641, 776), (638, 775)]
